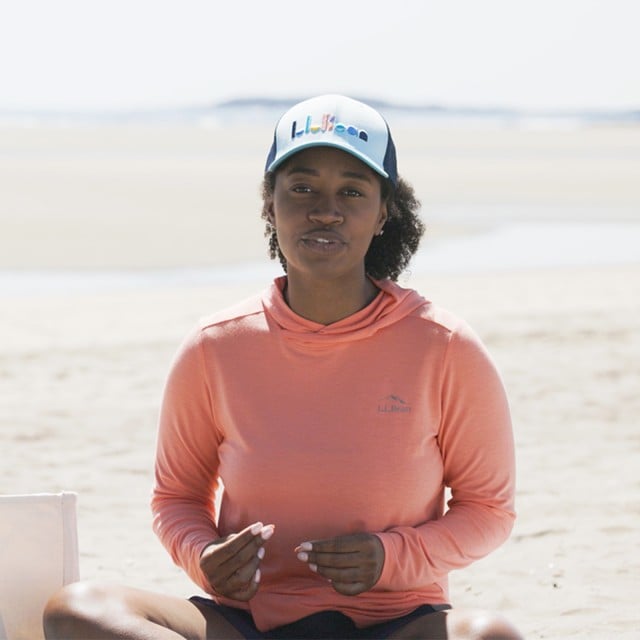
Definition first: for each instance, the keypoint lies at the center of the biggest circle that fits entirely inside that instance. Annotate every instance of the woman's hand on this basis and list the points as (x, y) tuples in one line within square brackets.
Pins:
[(352, 563), (232, 564)]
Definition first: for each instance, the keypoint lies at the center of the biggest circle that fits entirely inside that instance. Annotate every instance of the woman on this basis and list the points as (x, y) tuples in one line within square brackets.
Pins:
[(335, 408)]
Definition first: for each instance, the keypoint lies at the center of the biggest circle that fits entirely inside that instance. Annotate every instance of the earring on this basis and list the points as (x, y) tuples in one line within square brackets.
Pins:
[(381, 232)]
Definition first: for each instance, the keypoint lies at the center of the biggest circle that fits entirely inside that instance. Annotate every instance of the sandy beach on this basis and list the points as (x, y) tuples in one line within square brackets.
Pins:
[(82, 372)]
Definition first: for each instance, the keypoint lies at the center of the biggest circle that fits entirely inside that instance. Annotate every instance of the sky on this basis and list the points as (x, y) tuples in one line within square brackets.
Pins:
[(95, 55)]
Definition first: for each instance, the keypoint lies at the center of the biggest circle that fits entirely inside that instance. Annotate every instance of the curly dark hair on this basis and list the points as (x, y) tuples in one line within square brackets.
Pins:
[(389, 254)]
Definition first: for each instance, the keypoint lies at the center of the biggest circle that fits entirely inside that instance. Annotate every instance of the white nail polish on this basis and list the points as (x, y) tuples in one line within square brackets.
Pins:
[(303, 556), (261, 553), (257, 576), (306, 546), (267, 532), (256, 528)]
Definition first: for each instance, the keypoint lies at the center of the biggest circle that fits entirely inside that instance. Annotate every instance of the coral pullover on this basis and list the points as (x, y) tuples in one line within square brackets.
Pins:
[(357, 426)]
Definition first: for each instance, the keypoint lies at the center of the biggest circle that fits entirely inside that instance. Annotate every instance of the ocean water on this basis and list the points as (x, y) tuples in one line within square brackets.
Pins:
[(267, 110), (505, 247), (534, 245)]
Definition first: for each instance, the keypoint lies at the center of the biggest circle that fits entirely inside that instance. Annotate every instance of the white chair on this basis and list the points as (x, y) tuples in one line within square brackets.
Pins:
[(38, 555)]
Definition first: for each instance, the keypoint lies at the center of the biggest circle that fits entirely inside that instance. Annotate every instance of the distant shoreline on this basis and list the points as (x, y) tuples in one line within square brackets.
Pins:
[(267, 109)]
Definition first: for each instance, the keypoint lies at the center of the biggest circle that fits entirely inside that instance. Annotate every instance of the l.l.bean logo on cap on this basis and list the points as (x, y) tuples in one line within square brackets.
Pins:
[(327, 123)]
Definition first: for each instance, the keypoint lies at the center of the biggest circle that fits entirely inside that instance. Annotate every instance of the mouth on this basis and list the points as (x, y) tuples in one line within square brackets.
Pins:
[(323, 241), (323, 236)]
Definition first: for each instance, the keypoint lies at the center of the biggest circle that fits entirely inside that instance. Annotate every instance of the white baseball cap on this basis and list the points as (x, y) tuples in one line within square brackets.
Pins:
[(340, 122)]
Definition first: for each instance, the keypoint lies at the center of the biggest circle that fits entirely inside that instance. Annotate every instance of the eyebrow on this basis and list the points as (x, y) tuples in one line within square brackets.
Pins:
[(357, 175)]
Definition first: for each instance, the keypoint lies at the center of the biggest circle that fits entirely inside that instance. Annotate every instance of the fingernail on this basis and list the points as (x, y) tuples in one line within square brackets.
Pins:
[(303, 556), (261, 553), (313, 567), (257, 576), (256, 528), (306, 546), (267, 532)]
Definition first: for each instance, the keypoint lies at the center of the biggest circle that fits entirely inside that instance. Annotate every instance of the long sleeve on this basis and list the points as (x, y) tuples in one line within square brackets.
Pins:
[(186, 463), (476, 441), (325, 431)]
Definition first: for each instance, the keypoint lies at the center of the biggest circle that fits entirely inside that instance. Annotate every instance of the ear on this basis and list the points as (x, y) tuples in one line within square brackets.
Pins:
[(271, 216), (382, 218)]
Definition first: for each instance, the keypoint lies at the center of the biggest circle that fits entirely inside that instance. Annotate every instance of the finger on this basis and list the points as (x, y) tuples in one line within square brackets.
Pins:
[(241, 579), (341, 549), (362, 550), (226, 557), (350, 575), (337, 560), (234, 573), (349, 588), (249, 591), (248, 536), (340, 544), (332, 560), (227, 547), (351, 563), (246, 556), (220, 573)]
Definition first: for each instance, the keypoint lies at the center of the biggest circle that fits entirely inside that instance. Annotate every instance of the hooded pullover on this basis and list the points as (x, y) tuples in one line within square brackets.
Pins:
[(356, 426)]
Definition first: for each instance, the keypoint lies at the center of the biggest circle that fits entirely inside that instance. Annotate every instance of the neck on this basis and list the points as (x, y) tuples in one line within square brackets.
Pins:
[(328, 302)]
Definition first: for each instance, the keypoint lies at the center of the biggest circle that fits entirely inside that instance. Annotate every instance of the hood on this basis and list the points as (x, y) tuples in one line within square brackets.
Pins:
[(393, 303)]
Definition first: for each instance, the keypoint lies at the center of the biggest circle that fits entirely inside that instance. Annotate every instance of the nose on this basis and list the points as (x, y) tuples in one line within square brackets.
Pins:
[(326, 211)]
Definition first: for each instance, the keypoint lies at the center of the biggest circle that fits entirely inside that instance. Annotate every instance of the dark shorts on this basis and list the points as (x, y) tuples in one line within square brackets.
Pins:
[(324, 624)]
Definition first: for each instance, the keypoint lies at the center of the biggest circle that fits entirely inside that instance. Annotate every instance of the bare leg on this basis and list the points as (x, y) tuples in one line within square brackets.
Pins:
[(459, 625), (92, 611)]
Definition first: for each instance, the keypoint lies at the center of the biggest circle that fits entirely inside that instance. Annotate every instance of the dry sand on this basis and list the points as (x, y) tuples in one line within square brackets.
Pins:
[(81, 374), (157, 197)]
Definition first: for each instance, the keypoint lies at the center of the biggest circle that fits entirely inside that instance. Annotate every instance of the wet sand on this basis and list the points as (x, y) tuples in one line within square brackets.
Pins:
[(82, 373)]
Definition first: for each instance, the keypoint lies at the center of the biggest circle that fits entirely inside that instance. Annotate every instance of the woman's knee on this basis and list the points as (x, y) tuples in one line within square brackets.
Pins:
[(78, 607), (459, 624), (490, 626)]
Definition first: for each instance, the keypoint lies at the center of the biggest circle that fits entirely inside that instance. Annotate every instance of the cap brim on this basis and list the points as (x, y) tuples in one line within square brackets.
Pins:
[(336, 144)]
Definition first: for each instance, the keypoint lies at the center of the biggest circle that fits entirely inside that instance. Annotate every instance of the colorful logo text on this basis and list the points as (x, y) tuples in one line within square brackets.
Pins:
[(327, 124)]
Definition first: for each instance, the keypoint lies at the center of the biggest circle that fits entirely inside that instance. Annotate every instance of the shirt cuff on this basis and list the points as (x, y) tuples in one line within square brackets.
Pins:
[(385, 581)]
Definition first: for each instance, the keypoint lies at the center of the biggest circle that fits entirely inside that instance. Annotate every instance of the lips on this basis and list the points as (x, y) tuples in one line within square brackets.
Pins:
[(323, 242), (323, 237)]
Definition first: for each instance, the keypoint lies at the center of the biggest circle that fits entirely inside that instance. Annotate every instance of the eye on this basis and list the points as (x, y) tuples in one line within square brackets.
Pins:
[(301, 188), (352, 193)]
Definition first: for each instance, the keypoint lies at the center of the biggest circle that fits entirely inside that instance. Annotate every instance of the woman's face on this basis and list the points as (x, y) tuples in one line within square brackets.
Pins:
[(326, 207)]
